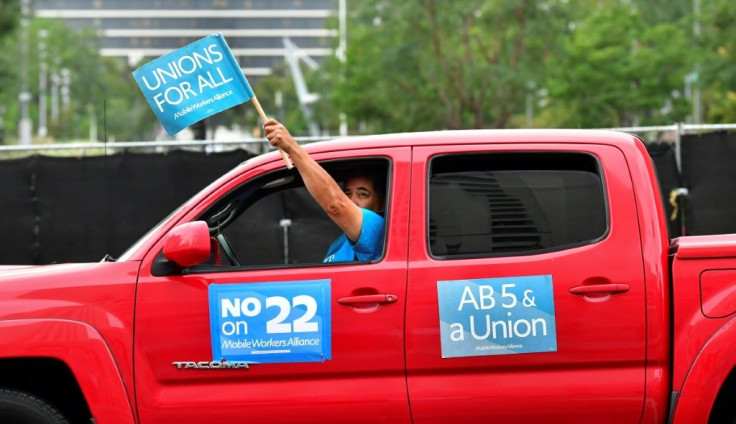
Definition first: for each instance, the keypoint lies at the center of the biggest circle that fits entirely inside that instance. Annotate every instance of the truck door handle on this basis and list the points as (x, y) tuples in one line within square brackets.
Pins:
[(613, 288), (381, 298)]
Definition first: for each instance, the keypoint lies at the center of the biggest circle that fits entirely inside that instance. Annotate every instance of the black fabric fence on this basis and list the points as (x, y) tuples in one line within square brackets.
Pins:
[(78, 209), (709, 171), (19, 212)]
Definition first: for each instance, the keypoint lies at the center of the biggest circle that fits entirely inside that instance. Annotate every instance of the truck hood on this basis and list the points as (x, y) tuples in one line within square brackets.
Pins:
[(21, 271), (78, 291)]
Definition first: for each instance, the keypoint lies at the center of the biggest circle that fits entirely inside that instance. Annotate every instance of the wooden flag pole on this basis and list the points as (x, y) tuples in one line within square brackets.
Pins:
[(262, 114)]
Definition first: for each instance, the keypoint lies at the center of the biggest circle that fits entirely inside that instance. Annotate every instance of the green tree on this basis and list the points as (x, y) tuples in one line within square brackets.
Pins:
[(654, 12), (9, 19), (719, 65), (9, 16), (617, 70), (432, 64), (289, 111), (102, 91)]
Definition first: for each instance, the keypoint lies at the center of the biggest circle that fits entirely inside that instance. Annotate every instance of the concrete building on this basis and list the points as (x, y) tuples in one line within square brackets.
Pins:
[(254, 29)]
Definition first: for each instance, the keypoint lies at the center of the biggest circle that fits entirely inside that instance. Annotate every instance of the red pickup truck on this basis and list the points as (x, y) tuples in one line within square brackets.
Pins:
[(526, 276)]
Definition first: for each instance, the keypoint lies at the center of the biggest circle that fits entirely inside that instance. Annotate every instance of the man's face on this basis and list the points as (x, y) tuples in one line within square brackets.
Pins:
[(361, 192)]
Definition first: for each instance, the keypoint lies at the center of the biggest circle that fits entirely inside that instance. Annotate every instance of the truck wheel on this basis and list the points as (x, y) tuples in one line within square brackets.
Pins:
[(22, 408)]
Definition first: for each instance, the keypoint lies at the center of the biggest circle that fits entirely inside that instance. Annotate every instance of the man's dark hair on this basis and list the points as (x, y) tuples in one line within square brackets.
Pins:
[(377, 178)]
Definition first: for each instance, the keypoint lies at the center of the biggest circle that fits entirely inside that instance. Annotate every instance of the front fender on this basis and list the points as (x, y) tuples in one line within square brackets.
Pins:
[(708, 372), (84, 351)]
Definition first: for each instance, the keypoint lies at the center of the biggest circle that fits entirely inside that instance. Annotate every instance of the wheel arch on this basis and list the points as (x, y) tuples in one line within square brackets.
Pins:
[(48, 379), (712, 372), (723, 408), (75, 352)]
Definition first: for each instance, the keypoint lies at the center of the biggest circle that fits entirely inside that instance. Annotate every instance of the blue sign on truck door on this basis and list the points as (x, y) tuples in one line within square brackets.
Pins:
[(497, 316), (271, 322)]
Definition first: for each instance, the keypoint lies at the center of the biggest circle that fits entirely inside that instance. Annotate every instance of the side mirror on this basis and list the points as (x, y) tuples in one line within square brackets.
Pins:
[(188, 244)]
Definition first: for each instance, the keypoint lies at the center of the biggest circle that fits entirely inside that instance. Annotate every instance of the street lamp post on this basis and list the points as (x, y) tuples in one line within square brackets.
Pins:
[(2, 127), (24, 98), (530, 86), (65, 91), (42, 130), (697, 96), (55, 81), (342, 55)]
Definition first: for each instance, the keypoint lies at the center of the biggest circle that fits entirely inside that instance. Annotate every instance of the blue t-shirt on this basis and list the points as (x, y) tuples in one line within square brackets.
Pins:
[(369, 246)]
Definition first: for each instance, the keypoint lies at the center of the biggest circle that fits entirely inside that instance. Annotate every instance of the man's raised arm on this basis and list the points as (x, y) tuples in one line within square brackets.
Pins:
[(323, 188)]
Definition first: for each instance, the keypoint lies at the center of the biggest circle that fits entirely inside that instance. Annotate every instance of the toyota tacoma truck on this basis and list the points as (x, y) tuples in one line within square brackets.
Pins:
[(526, 276)]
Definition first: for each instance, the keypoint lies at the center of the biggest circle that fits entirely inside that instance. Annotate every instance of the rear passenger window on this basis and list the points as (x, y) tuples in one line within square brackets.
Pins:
[(514, 203)]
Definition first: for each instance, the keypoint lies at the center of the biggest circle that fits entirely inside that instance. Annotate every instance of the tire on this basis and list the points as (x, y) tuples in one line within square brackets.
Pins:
[(23, 408)]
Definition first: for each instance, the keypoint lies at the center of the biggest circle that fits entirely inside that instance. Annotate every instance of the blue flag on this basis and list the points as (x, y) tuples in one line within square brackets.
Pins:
[(194, 82)]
